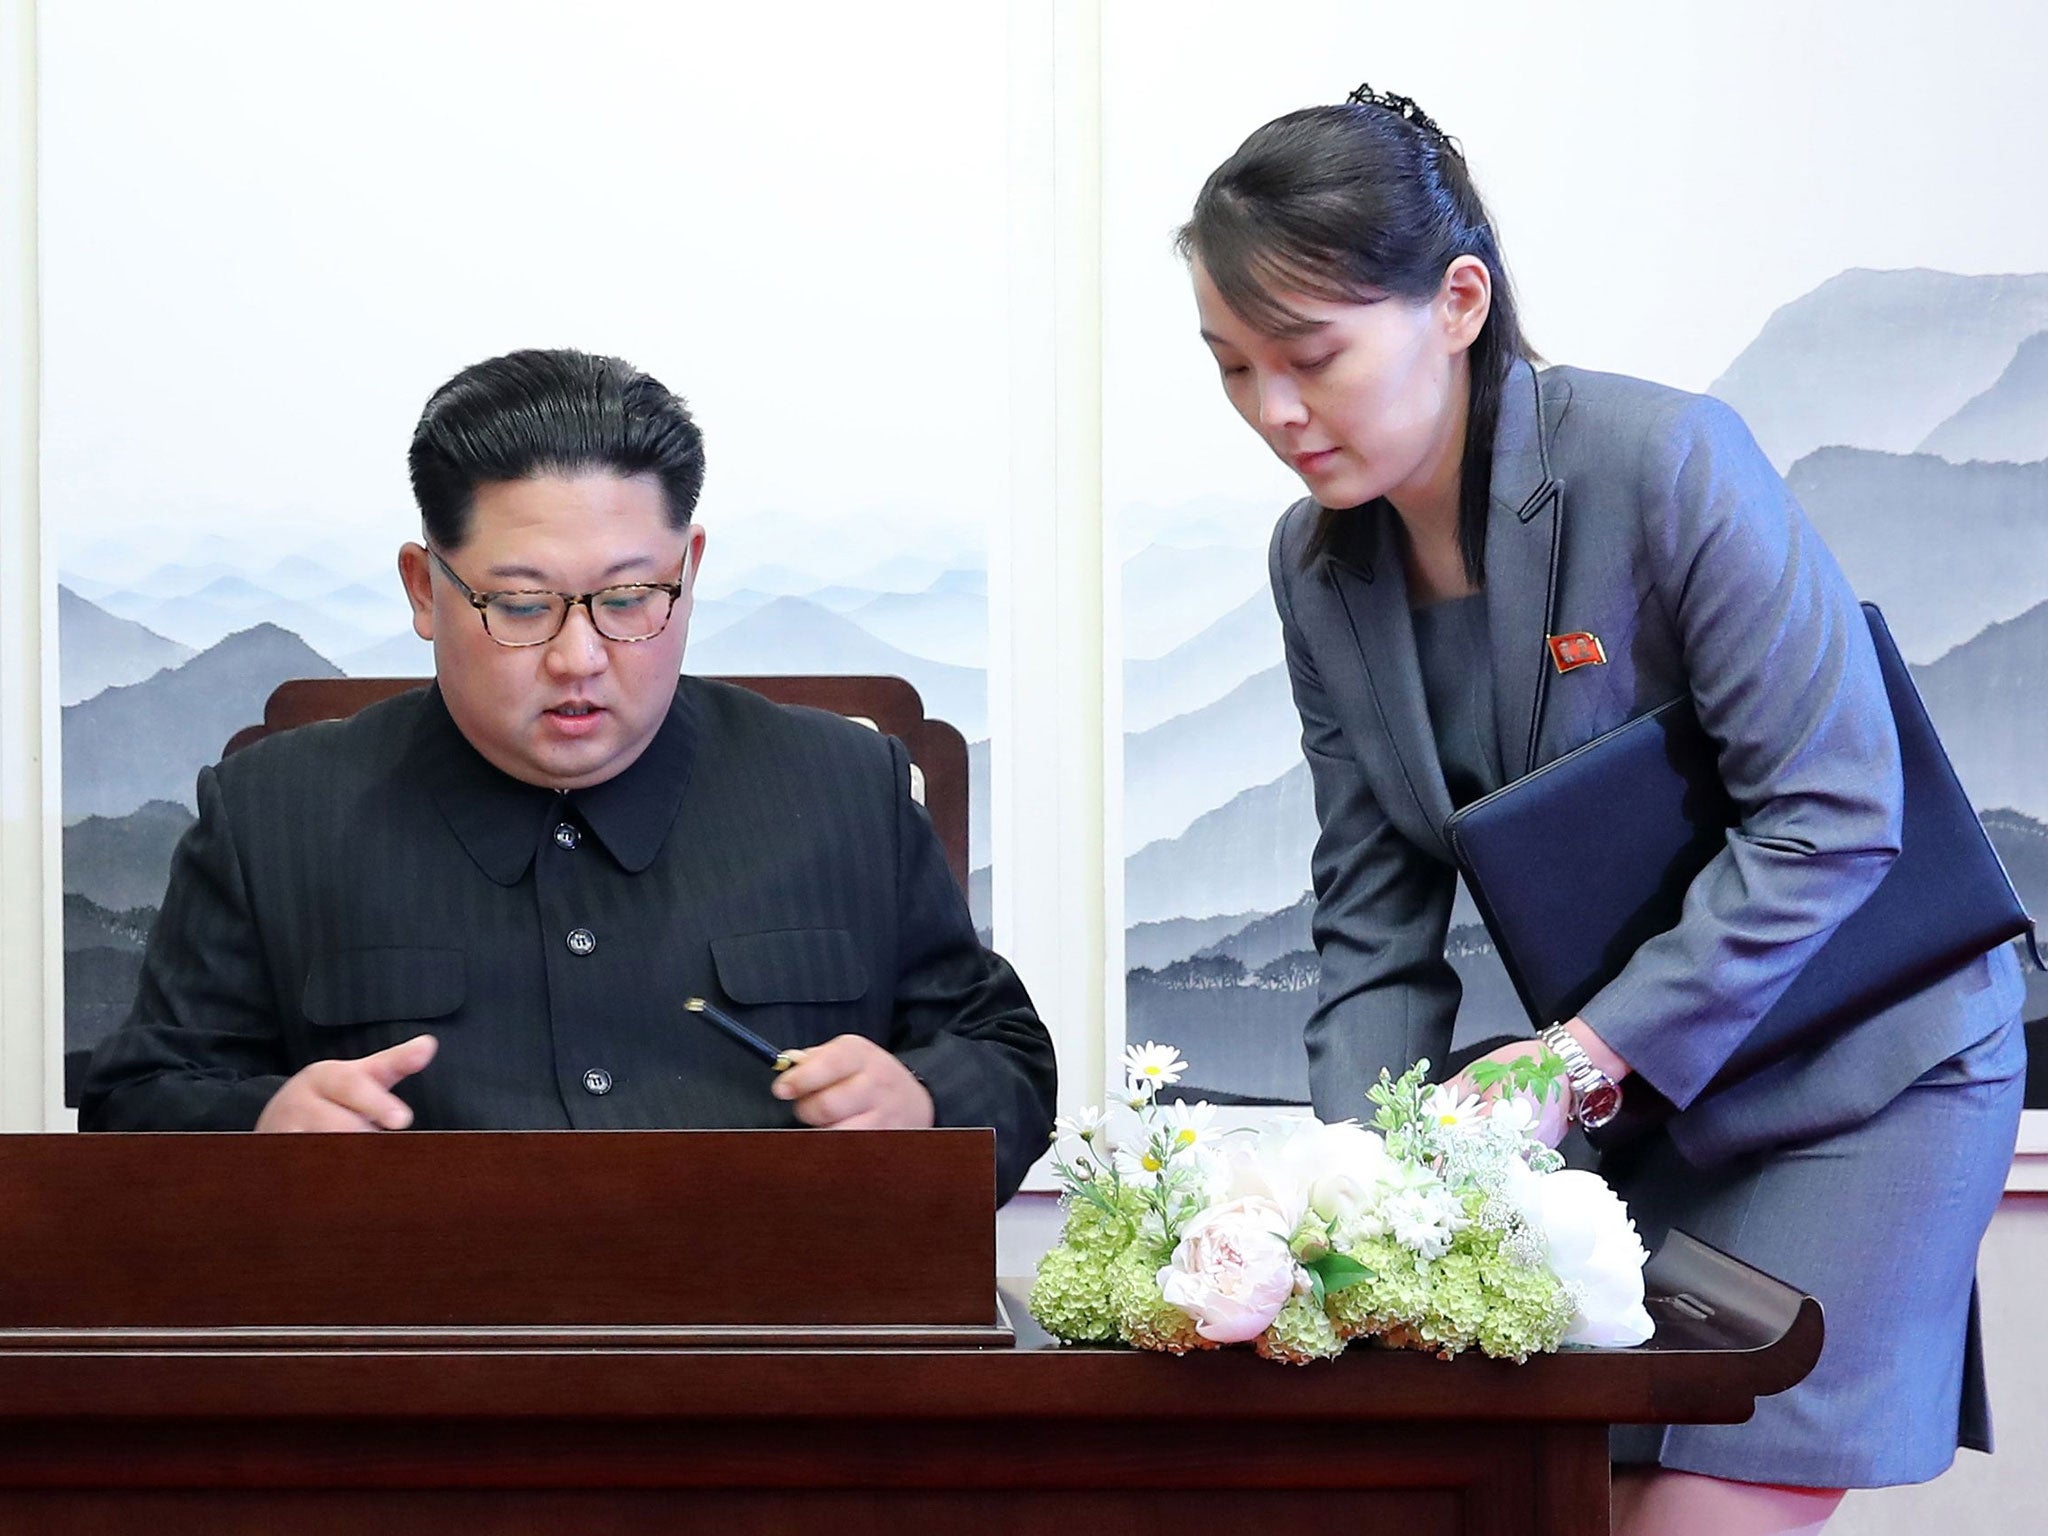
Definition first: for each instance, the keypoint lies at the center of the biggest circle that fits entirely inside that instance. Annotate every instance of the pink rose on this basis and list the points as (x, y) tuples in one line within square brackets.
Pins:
[(1232, 1272)]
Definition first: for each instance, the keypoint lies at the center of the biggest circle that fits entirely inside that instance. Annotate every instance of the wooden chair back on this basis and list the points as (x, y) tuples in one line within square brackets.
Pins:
[(890, 704)]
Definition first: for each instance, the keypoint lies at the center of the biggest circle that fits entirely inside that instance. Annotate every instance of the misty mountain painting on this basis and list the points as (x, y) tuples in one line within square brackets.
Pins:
[(1908, 410), (161, 667)]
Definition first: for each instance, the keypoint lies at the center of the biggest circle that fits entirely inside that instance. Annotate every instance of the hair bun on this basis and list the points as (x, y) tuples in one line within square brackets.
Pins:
[(1403, 107)]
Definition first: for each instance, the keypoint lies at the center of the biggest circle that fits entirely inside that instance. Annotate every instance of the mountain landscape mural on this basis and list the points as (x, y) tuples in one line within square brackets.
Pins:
[(158, 670), (1909, 413), (1908, 410), (1879, 360)]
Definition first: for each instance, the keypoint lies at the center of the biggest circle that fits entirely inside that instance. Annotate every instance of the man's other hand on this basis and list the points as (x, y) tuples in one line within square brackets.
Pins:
[(852, 1084), (349, 1095)]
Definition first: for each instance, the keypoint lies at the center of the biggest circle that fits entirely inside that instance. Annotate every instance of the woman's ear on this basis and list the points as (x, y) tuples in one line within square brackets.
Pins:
[(1464, 301)]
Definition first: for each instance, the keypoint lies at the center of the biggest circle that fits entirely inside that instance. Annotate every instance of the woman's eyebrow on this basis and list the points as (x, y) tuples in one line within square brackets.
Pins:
[(1294, 330)]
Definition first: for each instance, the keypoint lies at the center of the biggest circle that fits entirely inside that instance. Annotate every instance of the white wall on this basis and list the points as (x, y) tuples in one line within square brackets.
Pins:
[(28, 795)]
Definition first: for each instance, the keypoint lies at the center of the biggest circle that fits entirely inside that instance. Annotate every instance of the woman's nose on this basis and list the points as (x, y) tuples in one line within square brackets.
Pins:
[(1280, 402)]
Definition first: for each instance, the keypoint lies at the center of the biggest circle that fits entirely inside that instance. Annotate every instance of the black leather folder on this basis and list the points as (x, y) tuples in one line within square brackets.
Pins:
[(1576, 865)]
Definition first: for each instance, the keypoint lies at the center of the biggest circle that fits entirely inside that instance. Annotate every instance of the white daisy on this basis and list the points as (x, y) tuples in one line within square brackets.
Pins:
[(1445, 1110), (1139, 1169), (1153, 1067), (1088, 1126), (1188, 1125)]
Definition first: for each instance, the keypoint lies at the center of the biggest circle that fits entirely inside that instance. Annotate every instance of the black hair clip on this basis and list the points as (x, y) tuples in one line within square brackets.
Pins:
[(1403, 107)]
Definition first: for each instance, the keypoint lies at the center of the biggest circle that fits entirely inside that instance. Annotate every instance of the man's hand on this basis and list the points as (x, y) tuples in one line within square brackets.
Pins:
[(349, 1095), (852, 1084)]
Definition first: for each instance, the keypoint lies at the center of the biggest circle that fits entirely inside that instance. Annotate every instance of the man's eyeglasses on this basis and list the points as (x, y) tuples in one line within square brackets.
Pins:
[(631, 612)]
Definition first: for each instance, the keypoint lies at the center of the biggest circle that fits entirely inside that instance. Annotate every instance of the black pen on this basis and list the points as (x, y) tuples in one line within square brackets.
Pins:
[(781, 1061)]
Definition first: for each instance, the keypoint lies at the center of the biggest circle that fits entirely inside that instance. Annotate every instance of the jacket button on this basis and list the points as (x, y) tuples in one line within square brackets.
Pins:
[(597, 1081), (567, 836), (581, 941)]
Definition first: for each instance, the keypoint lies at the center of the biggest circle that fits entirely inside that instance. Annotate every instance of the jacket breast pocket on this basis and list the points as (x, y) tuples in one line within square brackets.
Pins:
[(790, 965), (383, 985)]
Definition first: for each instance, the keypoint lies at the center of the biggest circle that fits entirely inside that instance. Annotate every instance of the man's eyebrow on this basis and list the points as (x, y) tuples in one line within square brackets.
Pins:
[(541, 578)]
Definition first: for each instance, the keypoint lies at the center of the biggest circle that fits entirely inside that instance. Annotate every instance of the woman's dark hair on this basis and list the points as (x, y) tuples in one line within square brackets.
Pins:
[(1334, 201), (538, 413)]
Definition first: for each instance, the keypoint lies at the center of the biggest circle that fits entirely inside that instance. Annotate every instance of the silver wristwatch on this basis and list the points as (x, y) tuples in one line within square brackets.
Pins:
[(1596, 1097)]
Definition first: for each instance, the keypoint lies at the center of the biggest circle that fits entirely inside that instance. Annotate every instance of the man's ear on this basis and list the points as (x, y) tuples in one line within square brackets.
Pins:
[(1464, 301), (418, 581), (694, 559)]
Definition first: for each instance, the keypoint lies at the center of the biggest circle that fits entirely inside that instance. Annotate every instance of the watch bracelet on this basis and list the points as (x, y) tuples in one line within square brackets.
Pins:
[(1580, 1074)]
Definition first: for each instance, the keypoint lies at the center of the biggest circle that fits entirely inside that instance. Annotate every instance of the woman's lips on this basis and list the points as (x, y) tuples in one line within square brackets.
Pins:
[(1306, 463)]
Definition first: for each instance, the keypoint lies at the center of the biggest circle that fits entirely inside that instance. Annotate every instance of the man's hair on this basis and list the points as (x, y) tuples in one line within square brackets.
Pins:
[(549, 413)]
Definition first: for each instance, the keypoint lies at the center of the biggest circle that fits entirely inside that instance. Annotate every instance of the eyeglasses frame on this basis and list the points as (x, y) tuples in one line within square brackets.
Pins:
[(481, 601)]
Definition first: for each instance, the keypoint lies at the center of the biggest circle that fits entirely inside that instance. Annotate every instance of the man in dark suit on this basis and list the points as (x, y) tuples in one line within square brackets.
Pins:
[(482, 904)]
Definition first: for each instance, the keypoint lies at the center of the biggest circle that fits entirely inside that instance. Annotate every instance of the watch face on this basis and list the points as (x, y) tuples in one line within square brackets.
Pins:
[(1599, 1105)]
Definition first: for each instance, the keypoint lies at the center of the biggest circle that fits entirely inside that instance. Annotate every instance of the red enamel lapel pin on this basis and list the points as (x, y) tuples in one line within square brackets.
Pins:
[(1577, 650)]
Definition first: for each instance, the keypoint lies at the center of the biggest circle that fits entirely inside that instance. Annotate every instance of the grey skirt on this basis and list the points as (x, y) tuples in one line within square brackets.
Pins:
[(1881, 1223)]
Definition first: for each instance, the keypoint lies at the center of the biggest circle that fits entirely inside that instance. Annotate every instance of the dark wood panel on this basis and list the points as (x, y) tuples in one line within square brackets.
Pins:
[(349, 1512), (989, 1451), (1572, 1478), (533, 1229), (997, 1473)]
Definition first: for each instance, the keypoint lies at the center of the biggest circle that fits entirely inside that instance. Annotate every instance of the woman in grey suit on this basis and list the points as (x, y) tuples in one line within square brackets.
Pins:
[(1495, 565)]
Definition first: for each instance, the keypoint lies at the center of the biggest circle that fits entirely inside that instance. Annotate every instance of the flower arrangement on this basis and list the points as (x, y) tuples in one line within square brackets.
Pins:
[(1444, 1226)]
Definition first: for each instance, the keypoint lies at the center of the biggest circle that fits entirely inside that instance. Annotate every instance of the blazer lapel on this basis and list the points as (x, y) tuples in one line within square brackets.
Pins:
[(1524, 536), (1365, 569)]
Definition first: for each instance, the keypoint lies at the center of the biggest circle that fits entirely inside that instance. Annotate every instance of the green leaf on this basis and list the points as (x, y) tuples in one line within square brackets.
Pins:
[(1316, 1285), (1537, 1075), (1335, 1272), (1486, 1075), (1545, 1073)]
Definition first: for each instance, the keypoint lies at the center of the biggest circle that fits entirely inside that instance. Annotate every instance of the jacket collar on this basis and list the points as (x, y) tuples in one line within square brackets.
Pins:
[(1523, 541), (500, 821), (1524, 538), (1364, 565)]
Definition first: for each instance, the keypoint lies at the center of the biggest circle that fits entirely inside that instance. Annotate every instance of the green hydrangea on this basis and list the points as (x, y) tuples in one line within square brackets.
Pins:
[(1527, 1310), (1070, 1297), (1457, 1298), (1477, 1294), (1107, 1227), (1143, 1316), (1397, 1289), (1301, 1333)]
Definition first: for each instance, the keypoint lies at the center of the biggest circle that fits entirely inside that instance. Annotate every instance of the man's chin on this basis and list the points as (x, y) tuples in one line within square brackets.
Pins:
[(563, 765)]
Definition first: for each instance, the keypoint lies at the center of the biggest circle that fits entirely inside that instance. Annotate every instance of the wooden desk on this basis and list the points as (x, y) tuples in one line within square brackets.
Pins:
[(568, 1427)]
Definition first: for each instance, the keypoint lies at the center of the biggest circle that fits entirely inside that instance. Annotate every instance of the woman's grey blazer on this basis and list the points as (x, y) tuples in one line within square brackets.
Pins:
[(1650, 519)]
